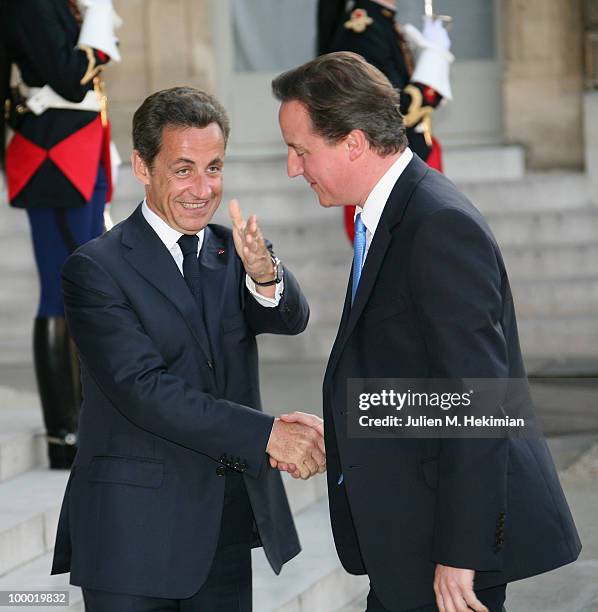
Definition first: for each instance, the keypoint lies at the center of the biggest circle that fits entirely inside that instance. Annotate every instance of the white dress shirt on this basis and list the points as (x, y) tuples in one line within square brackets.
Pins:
[(169, 236), (376, 201)]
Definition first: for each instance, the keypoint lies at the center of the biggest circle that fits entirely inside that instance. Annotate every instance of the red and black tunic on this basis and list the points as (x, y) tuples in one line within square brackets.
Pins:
[(52, 160)]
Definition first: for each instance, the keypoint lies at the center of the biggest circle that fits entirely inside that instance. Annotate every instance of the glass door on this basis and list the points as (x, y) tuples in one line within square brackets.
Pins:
[(254, 40)]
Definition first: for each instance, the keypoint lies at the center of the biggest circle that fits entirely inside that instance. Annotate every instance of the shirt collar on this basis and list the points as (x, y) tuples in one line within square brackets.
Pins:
[(376, 201), (168, 235)]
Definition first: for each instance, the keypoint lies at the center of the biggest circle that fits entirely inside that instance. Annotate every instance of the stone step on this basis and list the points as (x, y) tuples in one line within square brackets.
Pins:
[(555, 227), (533, 192), (22, 442), (29, 515), (357, 605), (549, 261), (35, 576), (572, 297), (559, 337), (312, 581), (484, 163)]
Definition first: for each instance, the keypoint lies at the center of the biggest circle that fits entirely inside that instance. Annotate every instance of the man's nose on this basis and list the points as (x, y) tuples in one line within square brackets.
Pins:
[(294, 164), (202, 187)]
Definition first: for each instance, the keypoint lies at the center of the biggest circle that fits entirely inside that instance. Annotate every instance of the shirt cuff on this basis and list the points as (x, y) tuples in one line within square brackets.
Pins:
[(260, 299)]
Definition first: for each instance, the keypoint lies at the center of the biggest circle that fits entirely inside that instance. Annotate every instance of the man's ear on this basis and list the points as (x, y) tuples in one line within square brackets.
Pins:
[(140, 168), (356, 143)]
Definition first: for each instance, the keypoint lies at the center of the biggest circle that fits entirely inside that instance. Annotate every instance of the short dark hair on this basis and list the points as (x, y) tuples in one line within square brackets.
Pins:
[(342, 92), (178, 107)]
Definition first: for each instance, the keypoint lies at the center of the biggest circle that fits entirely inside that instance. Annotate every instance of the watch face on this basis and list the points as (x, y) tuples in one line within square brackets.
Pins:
[(279, 271)]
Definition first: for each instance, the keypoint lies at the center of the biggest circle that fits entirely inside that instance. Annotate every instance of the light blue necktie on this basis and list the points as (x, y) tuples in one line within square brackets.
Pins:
[(358, 254), (358, 257)]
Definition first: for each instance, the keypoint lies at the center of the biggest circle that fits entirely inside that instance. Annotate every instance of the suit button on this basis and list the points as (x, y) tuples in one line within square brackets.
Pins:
[(220, 470), (210, 364)]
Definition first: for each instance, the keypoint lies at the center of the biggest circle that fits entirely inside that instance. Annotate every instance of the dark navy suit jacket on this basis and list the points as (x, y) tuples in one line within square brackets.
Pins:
[(434, 302), (168, 401)]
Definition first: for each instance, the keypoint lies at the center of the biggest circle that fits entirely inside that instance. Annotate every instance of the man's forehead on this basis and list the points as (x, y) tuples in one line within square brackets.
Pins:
[(191, 134), (296, 122), (183, 142), (295, 111)]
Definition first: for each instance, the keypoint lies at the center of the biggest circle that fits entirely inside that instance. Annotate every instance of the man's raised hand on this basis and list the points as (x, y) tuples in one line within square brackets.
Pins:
[(250, 245)]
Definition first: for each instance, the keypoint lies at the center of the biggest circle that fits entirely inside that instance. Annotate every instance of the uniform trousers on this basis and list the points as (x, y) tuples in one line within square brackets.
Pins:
[(51, 246)]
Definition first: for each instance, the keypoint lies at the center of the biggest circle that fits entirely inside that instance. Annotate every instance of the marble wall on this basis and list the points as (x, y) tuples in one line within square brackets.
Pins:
[(543, 80)]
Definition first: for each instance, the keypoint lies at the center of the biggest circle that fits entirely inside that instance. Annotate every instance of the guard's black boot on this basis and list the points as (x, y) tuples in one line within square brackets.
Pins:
[(59, 384)]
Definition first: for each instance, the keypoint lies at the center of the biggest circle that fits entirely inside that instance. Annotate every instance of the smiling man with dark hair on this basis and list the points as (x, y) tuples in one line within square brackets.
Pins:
[(171, 486)]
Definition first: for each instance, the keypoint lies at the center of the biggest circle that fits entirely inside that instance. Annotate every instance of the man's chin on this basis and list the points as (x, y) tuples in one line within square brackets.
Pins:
[(193, 221), (328, 203)]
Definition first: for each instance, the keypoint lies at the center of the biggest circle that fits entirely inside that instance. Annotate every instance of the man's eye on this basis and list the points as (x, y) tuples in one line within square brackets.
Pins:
[(214, 169), (183, 172)]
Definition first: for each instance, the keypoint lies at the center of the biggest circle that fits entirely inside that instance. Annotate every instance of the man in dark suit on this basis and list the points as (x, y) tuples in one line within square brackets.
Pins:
[(436, 523), (171, 486)]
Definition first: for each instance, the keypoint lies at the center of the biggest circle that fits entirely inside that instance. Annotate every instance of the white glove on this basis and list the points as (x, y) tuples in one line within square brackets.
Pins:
[(85, 4), (432, 67), (435, 32), (97, 30)]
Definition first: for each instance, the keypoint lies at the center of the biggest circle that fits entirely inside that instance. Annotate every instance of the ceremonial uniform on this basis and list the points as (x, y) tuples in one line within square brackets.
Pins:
[(57, 167), (369, 29)]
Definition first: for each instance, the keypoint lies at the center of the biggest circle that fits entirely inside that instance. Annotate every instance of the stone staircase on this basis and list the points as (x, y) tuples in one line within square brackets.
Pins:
[(547, 227)]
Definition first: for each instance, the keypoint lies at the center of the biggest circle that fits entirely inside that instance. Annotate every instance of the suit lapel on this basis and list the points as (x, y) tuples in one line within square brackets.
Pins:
[(392, 215), (148, 255), (214, 268), (369, 273), (341, 329)]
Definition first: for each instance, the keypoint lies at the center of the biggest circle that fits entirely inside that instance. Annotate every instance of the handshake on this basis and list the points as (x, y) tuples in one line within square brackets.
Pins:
[(296, 445)]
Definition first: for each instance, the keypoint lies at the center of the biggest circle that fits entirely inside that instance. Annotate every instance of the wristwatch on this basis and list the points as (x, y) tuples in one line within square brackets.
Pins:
[(278, 273)]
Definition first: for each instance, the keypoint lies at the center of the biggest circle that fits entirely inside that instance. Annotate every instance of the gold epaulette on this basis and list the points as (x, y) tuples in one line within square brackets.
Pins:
[(418, 113), (92, 69)]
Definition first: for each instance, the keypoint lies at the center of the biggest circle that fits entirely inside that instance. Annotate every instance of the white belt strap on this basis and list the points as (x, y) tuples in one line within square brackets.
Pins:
[(42, 98)]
